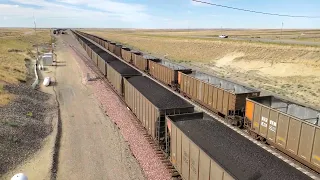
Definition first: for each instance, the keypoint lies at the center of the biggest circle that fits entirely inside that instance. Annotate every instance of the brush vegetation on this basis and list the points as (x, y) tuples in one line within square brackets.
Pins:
[(15, 46)]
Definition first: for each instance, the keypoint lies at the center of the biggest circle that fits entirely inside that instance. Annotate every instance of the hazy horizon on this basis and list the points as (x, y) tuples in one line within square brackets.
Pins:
[(310, 29), (152, 14)]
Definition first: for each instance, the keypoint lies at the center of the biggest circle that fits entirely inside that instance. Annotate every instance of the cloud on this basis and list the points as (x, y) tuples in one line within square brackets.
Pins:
[(38, 3), (7, 5), (74, 1), (80, 13), (80, 9), (46, 12), (214, 15), (128, 12)]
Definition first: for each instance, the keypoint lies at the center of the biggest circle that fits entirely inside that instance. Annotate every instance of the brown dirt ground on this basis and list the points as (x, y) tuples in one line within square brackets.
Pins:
[(92, 147)]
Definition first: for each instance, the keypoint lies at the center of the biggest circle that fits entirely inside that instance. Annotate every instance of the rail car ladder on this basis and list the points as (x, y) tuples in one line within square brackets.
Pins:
[(161, 127)]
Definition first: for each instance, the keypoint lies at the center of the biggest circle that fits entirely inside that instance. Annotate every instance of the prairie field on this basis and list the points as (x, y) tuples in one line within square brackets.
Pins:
[(288, 69), (16, 48), (277, 36)]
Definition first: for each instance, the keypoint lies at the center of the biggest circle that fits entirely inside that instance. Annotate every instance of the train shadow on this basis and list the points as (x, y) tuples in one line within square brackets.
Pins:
[(60, 61), (58, 65), (53, 83)]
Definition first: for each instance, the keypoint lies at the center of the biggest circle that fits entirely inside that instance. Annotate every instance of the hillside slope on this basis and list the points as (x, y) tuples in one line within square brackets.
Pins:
[(288, 70)]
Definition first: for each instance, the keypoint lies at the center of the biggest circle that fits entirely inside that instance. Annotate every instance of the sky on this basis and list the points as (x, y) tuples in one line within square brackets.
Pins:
[(155, 14)]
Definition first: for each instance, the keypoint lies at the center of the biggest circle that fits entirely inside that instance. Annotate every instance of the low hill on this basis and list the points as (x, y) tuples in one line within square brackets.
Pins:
[(291, 70)]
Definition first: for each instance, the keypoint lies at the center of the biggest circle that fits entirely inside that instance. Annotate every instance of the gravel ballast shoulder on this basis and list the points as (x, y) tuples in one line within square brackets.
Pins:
[(23, 124), (124, 69), (158, 95), (237, 155), (131, 131)]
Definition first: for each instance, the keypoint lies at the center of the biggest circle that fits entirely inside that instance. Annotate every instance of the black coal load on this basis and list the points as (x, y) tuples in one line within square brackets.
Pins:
[(107, 57), (124, 69), (158, 95), (236, 154)]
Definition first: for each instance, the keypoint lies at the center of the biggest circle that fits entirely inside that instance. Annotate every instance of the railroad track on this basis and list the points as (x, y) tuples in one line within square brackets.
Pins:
[(155, 146), (297, 165)]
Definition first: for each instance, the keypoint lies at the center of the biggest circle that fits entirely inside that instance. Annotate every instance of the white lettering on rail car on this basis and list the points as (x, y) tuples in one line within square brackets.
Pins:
[(264, 124), (264, 121), (273, 123), (222, 121), (273, 126)]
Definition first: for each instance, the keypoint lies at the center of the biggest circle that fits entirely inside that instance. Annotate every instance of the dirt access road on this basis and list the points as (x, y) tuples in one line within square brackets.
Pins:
[(91, 145), (278, 41)]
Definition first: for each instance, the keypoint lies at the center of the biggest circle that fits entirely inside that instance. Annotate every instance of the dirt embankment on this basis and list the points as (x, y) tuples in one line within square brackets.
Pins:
[(17, 48), (204, 50), (288, 70), (24, 123), (25, 113)]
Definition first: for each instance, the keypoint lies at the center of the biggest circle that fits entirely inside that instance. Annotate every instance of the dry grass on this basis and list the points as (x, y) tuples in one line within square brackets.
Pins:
[(276, 34), (5, 98), (209, 50), (274, 67), (12, 64), (6, 32)]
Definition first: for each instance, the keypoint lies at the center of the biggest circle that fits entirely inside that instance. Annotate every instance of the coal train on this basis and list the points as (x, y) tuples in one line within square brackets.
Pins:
[(199, 146)]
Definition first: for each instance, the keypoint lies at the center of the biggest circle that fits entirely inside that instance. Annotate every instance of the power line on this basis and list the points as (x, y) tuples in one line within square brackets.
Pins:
[(252, 11)]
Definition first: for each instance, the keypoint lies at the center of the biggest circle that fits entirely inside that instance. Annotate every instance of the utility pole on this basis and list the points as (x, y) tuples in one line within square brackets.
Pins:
[(189, 21), (51, 42), (51, 35), (281, 30), (35, 30)]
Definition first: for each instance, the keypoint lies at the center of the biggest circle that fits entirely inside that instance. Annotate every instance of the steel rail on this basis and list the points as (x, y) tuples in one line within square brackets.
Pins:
[(289, 160)]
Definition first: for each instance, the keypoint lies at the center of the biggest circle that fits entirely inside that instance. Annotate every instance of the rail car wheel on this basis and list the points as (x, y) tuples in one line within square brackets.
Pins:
[(262, 139), (240, 124), (174, 88), (254, 135), (229, 120), (176, 176), (235, 121), (238, 121)]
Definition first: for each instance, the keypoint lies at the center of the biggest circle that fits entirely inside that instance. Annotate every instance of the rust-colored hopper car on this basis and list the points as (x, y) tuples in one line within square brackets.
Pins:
[(290, 127), (224, 97)]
